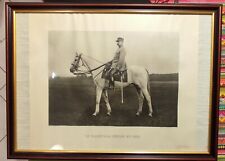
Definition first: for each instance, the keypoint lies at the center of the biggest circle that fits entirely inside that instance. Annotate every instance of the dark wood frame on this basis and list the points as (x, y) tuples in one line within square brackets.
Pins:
[(10, 7)]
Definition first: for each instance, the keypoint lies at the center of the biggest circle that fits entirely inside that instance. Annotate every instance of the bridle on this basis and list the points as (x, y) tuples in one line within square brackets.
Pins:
[(83, 63)]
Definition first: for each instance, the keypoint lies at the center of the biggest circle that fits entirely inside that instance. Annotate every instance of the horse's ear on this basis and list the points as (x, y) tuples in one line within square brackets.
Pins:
[(81, 54), (76, 54)]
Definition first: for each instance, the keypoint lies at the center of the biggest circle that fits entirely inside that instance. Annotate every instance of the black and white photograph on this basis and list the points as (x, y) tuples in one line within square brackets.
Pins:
[(103, 78)]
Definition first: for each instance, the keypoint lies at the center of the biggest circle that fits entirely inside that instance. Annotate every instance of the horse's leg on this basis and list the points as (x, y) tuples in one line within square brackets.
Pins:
[(140, 100), (148, 98), (106, 99), (98, 98)]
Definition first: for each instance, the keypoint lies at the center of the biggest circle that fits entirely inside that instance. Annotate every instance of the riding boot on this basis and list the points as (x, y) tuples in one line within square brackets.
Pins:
[(111, 83)]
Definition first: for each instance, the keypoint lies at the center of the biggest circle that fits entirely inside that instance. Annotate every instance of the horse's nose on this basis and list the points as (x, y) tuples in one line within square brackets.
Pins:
[(71, 70)]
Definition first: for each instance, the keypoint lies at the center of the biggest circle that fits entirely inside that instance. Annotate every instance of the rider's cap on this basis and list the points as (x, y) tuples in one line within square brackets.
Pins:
[(119, 39)]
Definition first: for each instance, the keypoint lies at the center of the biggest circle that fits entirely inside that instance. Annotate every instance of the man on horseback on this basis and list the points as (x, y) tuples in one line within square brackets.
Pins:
[(118, 62), (139, 77)]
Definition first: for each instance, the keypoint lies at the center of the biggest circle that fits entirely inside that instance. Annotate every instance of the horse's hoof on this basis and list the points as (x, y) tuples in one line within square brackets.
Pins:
[(138, 114), (150, 115), (109, 114), (94, 114)]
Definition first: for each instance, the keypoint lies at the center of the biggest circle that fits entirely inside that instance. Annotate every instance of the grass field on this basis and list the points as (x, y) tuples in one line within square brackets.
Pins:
[(72, 102)]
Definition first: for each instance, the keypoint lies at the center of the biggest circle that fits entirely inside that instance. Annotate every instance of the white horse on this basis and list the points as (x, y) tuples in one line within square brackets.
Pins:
[(136, 75)]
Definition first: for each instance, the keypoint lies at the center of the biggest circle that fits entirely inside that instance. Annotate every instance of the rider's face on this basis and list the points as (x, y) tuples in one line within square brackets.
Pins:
[(120, 43)]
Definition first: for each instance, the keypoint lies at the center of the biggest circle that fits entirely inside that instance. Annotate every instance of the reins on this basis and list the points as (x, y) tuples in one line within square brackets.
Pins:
[(95, 68)]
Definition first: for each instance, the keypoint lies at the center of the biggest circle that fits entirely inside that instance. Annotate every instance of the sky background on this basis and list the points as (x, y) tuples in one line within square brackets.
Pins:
[(156, 51)]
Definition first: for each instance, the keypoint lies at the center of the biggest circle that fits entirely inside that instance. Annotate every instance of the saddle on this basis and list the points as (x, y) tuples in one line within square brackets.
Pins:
[(116, 76)]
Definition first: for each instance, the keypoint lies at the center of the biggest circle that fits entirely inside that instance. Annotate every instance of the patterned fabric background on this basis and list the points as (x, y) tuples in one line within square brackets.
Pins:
[(221, 140)]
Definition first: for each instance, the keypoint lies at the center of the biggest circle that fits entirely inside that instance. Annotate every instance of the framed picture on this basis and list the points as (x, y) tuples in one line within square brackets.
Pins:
[(113, 81)]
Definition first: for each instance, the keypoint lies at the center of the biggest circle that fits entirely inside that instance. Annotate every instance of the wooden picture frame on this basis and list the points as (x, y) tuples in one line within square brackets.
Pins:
[(34, 34)]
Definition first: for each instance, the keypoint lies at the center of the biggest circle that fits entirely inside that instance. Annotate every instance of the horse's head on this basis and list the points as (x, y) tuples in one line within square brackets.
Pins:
[(76, 64)]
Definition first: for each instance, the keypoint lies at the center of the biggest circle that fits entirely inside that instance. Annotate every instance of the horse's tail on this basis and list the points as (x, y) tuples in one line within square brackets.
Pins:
[(148, 83)]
